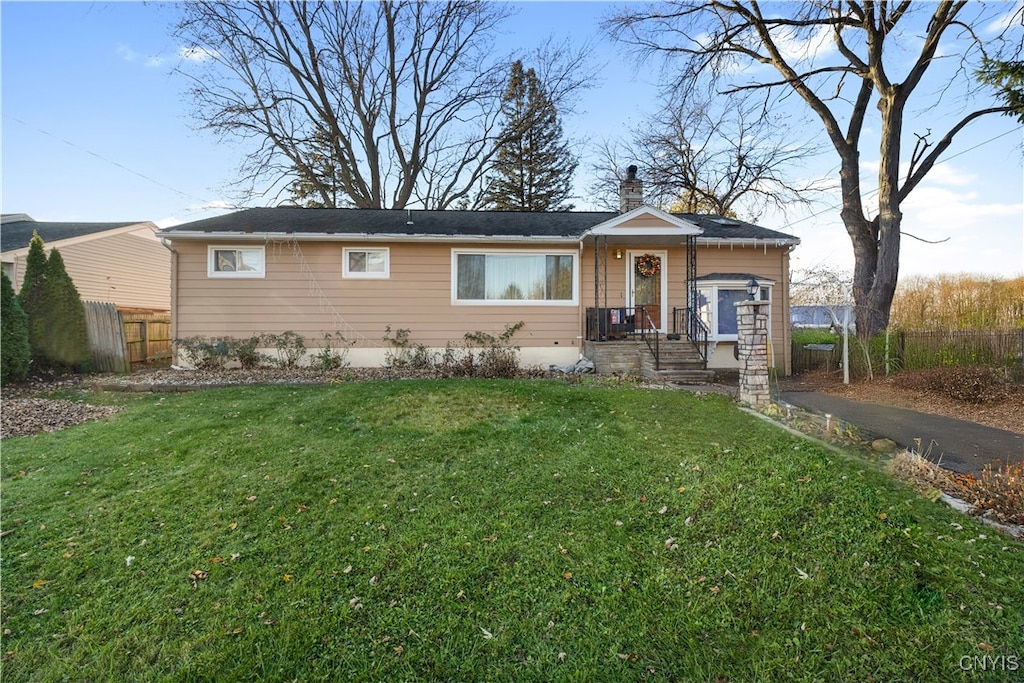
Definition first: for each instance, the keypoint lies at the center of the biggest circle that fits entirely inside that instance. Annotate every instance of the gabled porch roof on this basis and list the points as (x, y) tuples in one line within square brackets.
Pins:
[(643, 225)]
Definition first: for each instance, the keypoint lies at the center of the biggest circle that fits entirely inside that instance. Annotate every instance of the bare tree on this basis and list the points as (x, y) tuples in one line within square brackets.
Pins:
[(724, 156), (398, 99), (874, 63)]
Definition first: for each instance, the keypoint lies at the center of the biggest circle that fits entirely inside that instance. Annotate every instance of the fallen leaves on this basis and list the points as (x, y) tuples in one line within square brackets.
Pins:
[(197, 575)]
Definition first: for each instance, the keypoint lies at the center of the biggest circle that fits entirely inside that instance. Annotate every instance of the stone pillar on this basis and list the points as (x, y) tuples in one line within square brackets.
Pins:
[(752, 346)]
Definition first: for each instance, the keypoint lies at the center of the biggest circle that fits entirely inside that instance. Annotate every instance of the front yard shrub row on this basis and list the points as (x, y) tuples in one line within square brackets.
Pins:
[(481, 354), (289, 347)]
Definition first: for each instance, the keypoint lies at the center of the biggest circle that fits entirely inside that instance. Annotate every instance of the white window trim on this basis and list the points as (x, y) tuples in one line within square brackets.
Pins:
[(357, 275), (211, 257), (714, 286), (575, 301)]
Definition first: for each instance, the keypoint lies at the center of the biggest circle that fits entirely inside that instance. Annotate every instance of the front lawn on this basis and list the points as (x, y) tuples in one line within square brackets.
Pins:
[(483, 530)]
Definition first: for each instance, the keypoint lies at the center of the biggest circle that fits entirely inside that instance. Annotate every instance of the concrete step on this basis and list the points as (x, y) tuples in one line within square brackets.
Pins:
[(681, 376)]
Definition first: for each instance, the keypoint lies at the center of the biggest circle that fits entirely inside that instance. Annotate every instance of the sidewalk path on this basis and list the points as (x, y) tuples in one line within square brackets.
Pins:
[(957, 445)]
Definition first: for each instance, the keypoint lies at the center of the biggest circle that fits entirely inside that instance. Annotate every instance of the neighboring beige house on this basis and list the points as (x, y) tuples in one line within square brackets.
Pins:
[(120, 263), (617, 287)]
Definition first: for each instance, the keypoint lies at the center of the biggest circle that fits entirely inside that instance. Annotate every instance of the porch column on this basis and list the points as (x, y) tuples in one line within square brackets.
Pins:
[(752, 345)]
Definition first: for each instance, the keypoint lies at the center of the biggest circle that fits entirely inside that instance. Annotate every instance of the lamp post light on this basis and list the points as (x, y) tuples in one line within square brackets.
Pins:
[(753, 289)]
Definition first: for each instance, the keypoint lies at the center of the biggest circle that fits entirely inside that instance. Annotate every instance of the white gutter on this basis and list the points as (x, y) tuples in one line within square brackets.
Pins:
[(357, 237), (747, 241), (420, 238)]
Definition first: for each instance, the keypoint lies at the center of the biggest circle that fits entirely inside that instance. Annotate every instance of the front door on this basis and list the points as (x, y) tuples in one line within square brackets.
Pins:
[(646, 278)]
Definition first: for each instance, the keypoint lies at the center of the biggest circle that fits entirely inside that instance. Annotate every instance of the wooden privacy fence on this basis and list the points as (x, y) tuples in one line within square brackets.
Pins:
[(119, 339), (147, 335)]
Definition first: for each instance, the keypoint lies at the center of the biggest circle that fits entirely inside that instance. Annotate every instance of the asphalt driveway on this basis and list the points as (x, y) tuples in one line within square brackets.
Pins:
[(957, 445)]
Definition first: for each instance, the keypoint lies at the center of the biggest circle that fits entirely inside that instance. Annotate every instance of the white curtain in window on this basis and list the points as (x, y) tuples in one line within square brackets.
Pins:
[(514, 277)]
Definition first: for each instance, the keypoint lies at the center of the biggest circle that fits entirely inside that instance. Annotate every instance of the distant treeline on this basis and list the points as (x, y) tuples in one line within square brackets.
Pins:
[(960, 302)]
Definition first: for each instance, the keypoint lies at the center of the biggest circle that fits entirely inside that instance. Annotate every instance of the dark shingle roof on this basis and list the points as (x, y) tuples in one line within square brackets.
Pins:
[(728, 277), (18, 233), (716, 227), (568, 224)]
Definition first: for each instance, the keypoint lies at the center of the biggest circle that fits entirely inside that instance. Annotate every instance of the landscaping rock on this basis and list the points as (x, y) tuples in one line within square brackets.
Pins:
[(884, 446)]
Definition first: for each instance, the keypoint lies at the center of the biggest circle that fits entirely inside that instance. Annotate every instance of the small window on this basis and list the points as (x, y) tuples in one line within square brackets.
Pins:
[(236, 262), (366, 263)]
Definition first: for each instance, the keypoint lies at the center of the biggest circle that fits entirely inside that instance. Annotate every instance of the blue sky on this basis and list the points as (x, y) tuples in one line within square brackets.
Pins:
[(95, 127)]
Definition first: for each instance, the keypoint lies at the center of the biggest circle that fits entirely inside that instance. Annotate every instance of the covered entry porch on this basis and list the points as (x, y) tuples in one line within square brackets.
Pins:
[(639, 288)]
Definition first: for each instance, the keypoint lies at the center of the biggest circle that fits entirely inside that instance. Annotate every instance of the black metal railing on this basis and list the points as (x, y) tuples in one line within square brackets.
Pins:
[(649, 334), (625, 322), (686, 320)]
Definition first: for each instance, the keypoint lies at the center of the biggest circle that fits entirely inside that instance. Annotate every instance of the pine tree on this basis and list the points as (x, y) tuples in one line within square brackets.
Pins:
[(57, 332), (14, 349), (32, 296), (1008, 80), (534, 166), (319, 184), (68, 338)]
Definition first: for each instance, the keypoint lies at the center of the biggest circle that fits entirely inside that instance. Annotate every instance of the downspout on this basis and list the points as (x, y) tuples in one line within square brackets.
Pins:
[(787, 326), (174, 294)]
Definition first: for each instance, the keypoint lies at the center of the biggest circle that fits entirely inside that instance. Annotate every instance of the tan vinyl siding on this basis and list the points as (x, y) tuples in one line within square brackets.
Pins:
[(304, 291), (128, 269), (645, 221)]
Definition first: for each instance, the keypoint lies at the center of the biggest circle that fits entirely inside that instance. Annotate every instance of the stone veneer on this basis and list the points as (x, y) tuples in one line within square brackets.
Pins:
[(752, 345)]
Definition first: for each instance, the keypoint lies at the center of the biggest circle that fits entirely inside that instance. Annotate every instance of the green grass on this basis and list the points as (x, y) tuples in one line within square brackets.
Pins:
[(478, 530), (804, 335)]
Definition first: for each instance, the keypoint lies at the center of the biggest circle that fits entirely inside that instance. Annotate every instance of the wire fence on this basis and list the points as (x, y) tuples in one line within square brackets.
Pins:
[(916, 349)]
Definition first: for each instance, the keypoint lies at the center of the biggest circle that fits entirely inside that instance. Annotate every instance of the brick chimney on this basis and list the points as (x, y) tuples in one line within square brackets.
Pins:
[(631, 191)]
